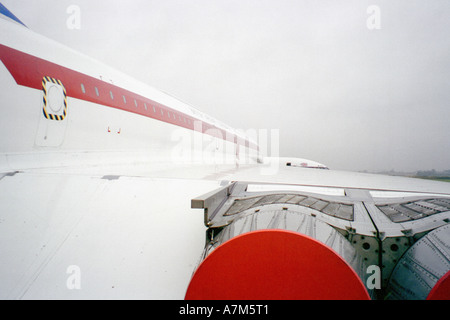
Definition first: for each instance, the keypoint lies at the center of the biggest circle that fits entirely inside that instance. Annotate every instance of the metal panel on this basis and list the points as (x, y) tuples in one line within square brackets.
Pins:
[(241, 205), (414, 210), (421, 266)]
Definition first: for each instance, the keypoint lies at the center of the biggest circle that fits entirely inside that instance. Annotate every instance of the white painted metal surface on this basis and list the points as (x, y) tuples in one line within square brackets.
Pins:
[(132, 238)]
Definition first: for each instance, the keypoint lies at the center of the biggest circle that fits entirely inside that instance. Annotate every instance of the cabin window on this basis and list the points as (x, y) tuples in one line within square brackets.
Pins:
[(145, 106), (83, 89), (96, 92), (111, 94), (154, 109), (135, 103), (124, 99)]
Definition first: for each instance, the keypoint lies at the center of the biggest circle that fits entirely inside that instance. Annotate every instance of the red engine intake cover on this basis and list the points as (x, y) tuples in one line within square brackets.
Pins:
[(441, 290), (275, 265)]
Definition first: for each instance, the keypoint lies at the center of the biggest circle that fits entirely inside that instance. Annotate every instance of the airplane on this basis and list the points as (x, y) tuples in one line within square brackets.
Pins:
[(112, 189)]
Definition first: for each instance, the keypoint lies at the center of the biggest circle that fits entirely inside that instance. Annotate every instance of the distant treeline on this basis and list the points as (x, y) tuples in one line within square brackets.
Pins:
[(425, 174), (433, 173)]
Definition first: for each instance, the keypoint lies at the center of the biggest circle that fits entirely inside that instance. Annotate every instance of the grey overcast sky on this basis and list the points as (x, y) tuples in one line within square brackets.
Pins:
[(349, 96)]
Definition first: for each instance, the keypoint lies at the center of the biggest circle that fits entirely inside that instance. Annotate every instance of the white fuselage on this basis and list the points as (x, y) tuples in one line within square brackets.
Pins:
[(61, 108)]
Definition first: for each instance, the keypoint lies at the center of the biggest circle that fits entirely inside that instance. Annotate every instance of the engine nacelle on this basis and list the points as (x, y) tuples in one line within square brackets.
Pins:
[(300, 242)]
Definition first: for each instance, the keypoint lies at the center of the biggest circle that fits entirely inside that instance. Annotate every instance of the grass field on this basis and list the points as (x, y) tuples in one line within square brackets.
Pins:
[(443, 179)]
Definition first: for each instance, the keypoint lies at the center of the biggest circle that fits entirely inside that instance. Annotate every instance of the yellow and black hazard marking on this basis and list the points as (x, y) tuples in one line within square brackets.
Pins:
[(46, 83)]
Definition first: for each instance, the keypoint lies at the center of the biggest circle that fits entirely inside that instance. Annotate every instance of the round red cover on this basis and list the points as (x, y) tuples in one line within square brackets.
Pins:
[(274, 265), (441, 291)]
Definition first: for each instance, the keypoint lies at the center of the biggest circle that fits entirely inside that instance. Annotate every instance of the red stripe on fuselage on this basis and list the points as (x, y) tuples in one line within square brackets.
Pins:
[(29, 70)]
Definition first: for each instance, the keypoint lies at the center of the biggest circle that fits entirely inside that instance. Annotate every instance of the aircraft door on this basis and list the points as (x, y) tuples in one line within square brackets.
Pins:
[(53, 118)]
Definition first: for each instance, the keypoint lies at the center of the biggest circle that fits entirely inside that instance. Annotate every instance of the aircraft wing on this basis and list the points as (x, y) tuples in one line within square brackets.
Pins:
[(125, 237)]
